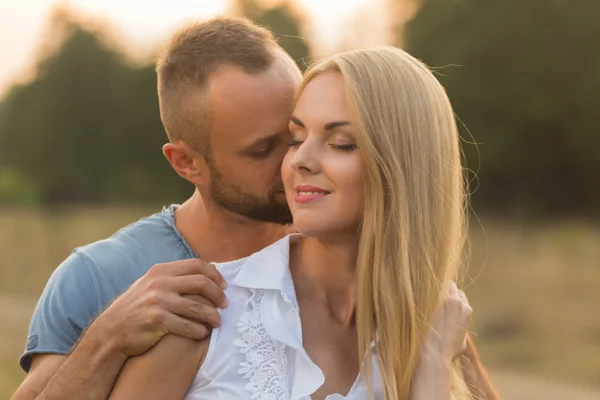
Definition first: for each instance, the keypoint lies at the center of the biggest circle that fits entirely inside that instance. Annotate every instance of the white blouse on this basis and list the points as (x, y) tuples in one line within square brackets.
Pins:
[(257, 351)]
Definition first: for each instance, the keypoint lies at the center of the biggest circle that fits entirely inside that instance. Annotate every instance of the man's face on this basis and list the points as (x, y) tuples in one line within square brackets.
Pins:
[(249, 138)]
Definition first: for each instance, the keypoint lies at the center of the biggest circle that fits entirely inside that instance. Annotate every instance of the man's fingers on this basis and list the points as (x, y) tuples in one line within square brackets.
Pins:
[(194, 310), (200, 285), (186, 328), (193, 266)]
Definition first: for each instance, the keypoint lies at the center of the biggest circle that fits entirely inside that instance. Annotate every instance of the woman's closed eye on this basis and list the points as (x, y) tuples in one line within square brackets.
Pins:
[(297, 137), (337, 146), (295, 143), (343, 146), (342, 142)]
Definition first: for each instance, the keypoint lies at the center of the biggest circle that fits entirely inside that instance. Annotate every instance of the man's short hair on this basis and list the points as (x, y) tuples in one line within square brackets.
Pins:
[(193, 53)]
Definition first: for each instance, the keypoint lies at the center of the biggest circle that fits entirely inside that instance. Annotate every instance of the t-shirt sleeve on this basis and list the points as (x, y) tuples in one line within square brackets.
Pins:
[(67, 305)]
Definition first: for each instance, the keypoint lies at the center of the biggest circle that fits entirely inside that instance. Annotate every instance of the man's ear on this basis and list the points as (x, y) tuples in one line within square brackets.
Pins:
[(187, 162)]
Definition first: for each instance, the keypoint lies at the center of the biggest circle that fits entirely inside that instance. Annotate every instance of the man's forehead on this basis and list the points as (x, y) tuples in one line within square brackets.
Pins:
[(232, 89), (233, 81)]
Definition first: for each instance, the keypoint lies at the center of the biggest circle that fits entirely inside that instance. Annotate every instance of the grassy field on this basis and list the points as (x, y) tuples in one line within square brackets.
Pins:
[(535, 291)]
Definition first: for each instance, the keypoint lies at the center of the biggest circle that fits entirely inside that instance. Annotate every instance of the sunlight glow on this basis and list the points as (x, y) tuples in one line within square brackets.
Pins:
[(142, 24)]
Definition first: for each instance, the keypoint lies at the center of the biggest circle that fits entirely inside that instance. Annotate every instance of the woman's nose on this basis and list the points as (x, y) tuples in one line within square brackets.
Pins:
[(306, 158)]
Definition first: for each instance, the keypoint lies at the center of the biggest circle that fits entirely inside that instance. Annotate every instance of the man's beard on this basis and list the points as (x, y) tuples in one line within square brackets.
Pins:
[(232, 198)]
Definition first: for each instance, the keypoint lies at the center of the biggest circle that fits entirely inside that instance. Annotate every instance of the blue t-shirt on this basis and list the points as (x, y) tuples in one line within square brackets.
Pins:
[(94, 275)]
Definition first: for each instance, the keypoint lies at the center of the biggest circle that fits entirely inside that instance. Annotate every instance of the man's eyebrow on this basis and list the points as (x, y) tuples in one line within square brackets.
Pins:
[(328, 126)]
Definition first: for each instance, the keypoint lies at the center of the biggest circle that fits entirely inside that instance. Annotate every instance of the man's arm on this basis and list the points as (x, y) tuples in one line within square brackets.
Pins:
[(89, 372), (151, 308), (43, 367)]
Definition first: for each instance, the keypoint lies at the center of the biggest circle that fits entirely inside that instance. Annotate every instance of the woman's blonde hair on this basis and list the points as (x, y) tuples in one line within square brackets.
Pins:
[(413, 226)]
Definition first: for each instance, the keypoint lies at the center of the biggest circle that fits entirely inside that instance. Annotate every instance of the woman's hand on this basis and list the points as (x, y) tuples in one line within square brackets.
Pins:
[(446, 340)]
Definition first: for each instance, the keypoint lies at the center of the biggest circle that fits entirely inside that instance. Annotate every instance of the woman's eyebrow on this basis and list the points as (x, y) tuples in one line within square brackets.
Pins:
[(332, 125), (328, 126), (296, 121)]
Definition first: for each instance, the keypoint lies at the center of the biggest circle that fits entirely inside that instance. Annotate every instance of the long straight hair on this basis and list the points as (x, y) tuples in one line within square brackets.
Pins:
[(413, 227)]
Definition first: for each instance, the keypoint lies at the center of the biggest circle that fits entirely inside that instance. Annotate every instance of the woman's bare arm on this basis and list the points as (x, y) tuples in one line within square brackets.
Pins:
[(165, 372)]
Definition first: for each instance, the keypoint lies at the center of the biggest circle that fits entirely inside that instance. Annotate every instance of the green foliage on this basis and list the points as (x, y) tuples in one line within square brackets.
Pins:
[(284, 25), (525, 80), (88, 128), (14, 189)]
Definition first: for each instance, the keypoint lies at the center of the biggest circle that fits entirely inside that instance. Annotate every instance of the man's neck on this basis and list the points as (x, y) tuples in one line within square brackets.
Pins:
[(217, 235)]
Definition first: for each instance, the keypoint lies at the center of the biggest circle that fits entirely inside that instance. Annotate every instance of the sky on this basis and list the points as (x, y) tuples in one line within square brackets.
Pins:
[(143, 24)]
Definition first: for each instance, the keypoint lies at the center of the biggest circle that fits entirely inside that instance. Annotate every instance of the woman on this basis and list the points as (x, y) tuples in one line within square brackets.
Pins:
[(374, 182)]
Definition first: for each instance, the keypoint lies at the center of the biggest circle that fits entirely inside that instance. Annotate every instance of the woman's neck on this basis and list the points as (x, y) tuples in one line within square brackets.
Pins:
[(324, 271)]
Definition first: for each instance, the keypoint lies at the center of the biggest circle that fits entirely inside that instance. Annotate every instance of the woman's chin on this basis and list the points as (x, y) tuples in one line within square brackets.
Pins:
[(312, 227), (321, 228)]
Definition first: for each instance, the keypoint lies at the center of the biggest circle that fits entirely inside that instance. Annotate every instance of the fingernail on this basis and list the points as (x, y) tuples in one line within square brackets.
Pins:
[(223, 284), (225, 303)]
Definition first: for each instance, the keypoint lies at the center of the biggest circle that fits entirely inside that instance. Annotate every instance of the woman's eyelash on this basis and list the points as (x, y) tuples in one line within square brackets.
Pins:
[(344, 147), (341, 147)]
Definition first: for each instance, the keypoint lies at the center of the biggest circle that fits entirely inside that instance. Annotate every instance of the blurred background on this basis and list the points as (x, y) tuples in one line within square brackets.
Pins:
[(80, 152)]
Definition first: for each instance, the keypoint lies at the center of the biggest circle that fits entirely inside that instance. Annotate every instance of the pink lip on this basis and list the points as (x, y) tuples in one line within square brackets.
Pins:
[(316, 193)]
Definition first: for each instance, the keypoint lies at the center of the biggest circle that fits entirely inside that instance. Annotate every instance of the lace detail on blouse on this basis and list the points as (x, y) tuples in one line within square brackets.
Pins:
[(266, 367)]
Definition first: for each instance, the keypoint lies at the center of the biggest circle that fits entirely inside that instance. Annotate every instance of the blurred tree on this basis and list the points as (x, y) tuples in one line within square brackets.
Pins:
[(285, 24), (525, 80), (14, 189), (88, 128)]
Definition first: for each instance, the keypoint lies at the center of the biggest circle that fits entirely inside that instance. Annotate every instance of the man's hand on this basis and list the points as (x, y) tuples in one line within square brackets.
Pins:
[(179, 297)]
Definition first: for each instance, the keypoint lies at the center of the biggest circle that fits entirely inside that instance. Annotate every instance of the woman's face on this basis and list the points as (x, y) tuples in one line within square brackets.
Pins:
[(322, 171)]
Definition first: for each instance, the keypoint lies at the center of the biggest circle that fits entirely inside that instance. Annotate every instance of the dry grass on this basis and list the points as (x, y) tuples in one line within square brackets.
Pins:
[(32, 244), (536, 299)]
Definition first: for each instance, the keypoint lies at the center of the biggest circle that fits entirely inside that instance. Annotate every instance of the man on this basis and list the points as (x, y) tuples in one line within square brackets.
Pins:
[(225, 92)]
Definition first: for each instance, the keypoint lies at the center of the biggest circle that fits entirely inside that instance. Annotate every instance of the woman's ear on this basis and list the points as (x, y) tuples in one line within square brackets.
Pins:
[(187, 162)]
